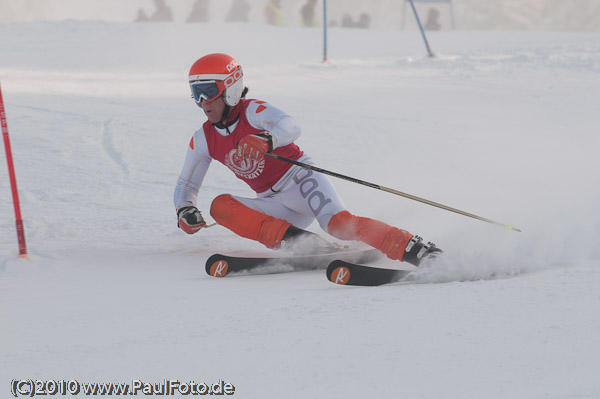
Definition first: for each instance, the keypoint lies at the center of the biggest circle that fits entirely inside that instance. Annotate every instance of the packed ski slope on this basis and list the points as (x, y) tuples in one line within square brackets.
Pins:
[(503, 125)]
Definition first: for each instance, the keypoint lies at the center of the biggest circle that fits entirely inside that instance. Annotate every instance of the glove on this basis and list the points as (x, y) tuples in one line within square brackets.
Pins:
[(254, 146), (190, 218)]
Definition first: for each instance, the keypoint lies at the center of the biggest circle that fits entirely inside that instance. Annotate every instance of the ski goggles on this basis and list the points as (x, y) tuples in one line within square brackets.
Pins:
[(209, 90)]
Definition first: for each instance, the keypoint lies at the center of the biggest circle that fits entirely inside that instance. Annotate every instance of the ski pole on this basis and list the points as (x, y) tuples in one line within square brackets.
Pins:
[(390, 190)]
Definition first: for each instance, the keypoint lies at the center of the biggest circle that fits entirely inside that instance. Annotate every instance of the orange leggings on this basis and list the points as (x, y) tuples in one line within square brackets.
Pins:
[(248, 223), (268, 230), (389, 240)]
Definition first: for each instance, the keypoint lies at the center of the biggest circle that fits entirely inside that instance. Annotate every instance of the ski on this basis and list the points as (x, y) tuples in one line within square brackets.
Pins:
[(349, 273), (219, 265)]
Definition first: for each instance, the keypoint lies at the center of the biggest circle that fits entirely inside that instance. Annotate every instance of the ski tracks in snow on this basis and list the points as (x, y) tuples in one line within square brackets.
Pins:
[(112, 151), (115, 155)]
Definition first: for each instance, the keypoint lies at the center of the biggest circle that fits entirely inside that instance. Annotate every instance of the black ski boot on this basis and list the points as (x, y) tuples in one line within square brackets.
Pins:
[(417, 250)]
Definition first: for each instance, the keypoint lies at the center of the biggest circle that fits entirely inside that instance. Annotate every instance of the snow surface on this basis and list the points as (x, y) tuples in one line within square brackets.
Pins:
[(503, 125)]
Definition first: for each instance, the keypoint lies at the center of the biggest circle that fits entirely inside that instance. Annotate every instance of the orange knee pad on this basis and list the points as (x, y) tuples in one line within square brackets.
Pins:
[(389, 240), (248, 223)]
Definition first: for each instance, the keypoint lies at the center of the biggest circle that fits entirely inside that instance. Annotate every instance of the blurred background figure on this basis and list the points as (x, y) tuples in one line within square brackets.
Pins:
[(433, 20), (141, 16), (347, 21), (308, 14), (363, 22), (239, 11), (163, 13), (199, 12), (273, 13)]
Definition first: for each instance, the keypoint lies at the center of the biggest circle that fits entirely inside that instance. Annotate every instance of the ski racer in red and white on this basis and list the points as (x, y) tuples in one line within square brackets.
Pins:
[(289, 198)]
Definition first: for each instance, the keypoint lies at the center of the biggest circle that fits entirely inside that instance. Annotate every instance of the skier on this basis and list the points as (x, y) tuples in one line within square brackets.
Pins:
[(238, 133)]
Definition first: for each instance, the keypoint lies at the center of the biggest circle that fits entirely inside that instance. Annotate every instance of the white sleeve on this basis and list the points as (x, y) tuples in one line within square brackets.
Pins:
[(194, 169), (283, 128)]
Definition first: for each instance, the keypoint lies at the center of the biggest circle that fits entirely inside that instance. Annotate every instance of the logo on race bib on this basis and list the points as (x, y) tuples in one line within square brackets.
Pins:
[(248, 169)]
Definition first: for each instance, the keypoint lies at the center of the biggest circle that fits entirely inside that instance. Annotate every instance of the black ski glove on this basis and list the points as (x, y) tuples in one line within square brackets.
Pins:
[(189, 218)]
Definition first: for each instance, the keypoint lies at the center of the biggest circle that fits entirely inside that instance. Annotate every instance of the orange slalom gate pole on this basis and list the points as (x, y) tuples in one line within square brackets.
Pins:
[(13, 181)]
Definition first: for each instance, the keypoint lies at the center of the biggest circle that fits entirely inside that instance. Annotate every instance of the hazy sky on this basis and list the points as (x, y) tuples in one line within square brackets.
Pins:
[(558, 15)]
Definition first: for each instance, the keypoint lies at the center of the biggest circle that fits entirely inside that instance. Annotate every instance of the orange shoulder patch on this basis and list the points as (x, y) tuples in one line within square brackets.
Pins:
[(192, 143), (261, 107)]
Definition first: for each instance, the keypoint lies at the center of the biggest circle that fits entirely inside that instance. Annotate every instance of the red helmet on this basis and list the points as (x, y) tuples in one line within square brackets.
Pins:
[(216, 75)]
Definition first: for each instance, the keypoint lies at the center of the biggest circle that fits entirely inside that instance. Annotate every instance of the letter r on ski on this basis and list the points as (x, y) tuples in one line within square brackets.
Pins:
[(341, 276), (220, 269)]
